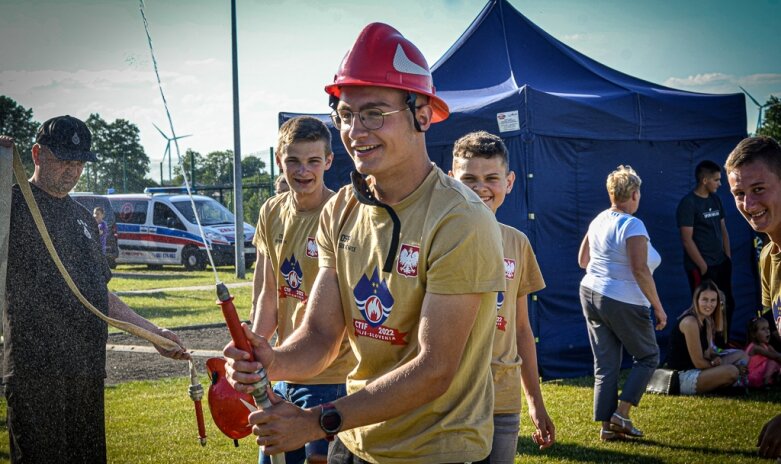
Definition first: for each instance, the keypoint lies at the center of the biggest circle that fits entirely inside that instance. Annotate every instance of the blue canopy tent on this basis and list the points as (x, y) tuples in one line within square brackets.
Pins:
[(568, 121)]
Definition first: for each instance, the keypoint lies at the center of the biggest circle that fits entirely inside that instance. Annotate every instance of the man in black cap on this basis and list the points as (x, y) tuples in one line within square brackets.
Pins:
[(55, 349)]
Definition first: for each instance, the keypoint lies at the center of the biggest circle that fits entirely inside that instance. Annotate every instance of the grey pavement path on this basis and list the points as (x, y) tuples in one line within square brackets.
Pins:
[(182, 289)]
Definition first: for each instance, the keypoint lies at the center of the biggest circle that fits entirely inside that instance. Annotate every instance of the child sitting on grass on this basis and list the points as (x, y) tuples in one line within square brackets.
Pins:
[(764, 365)]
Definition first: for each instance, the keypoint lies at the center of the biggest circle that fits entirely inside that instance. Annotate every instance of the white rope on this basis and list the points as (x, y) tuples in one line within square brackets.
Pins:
[(176, 144)]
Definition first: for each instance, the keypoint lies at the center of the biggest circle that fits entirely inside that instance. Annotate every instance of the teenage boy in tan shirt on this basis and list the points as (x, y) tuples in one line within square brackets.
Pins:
[(481, 162), (285, 240)]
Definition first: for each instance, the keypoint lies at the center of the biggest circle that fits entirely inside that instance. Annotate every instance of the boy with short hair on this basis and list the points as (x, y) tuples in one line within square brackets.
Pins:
[(481, 161), (285, 240)]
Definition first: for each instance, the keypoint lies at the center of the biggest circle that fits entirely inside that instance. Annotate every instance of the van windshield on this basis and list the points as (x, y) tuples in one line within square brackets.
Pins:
[(209, 211)]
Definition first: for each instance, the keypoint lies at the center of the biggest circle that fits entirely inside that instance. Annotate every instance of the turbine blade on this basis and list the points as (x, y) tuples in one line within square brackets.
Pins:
[(161, 132), (749, 96)]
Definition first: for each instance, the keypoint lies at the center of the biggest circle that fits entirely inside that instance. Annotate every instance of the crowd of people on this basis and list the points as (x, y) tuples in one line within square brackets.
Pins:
[(388, 347)]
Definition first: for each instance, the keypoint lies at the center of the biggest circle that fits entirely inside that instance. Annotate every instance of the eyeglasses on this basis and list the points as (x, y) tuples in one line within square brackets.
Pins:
[(371, 118)]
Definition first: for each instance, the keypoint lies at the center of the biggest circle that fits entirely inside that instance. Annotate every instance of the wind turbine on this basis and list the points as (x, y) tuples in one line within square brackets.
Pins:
[(167, 151), (760, 108)]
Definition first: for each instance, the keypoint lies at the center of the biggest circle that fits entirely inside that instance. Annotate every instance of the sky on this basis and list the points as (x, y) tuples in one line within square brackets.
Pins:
[(91, 56)]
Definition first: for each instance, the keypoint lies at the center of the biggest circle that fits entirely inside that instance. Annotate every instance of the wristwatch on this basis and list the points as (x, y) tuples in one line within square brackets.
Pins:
[(330, 420)]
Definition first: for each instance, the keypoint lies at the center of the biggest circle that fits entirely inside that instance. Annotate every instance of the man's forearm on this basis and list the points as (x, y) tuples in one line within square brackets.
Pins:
[(302, 356), (694, 254), (117, 309)]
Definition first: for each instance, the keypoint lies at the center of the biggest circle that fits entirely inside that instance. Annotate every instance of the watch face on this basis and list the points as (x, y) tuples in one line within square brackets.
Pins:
[(330, 420)]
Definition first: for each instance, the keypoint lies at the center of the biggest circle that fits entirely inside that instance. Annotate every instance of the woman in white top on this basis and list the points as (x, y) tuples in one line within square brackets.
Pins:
[(617, 294)]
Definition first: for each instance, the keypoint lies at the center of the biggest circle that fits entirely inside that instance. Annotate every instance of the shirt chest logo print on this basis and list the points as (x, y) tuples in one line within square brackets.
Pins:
[(509, 269), (85, 228), (375, 302), (407, 264), (710, 214), (294, 278), (501, 322), (311, 247)]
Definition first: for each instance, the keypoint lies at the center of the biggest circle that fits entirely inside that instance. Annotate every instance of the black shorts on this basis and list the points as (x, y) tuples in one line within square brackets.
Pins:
[(56, 421)]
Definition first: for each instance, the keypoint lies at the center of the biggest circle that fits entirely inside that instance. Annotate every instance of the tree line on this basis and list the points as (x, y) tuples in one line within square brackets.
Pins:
[(124, 166)]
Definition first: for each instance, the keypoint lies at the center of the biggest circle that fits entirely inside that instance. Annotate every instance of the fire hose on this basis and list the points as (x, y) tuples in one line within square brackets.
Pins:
[(196, 390), (259, 393)]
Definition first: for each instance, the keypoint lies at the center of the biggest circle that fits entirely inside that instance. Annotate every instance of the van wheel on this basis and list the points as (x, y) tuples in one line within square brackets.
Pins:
[(193, 259), (154, 267)]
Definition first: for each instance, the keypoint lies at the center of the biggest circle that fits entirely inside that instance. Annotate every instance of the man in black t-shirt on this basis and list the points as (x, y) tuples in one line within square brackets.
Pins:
[(55, 349), (701, 221)]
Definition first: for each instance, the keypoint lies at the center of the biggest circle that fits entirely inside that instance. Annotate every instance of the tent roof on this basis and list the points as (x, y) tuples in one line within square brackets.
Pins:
[(562, 92)]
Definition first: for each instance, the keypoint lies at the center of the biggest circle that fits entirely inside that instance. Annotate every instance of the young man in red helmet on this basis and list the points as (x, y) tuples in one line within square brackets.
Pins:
[(410, 264)]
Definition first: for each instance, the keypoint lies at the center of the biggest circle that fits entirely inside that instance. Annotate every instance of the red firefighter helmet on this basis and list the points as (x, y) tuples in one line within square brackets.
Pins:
[(227, 410), (382, 57)]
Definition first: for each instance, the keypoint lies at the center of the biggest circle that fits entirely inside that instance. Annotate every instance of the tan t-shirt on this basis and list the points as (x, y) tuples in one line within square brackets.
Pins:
[(449, 244), (288, 238), (523, 277), (770, 275)]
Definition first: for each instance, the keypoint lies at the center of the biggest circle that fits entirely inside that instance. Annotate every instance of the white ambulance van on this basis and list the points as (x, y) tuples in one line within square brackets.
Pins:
[(157, 229)]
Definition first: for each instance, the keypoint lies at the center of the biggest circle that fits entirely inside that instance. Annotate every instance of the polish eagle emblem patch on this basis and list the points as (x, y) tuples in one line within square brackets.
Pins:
[(407, 264), (509, 269), (311, 247)]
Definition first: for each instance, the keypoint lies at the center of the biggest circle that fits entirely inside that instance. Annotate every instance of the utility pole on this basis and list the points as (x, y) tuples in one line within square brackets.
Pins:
[(238, 206)]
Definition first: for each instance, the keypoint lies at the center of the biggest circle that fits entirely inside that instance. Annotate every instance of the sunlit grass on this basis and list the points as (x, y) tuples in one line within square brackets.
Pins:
[(705, 429), (172, 308), (134, 277), (153, 422), (186, 308)]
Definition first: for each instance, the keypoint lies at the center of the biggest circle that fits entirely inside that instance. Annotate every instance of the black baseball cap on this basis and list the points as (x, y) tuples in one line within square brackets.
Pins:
[(67, 137)]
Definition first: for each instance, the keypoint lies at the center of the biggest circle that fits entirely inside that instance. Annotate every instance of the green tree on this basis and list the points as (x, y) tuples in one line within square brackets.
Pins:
[(122, 163), (216, 169), (257, 187), (771, 121), (17, 121)]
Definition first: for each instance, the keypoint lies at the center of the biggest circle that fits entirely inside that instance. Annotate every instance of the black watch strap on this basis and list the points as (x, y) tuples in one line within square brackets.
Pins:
[(330, 420)]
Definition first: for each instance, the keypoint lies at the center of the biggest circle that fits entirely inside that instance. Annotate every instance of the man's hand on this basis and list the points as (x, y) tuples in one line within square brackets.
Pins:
[(769, 440), (545, 432), (6, 141), (661, 318), (180, 353), (239, 370), (285, 427)]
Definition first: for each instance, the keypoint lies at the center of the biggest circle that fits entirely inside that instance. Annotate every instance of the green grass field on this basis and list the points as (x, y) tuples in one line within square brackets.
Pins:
[(153, 422), (131, 277), (178, 308)]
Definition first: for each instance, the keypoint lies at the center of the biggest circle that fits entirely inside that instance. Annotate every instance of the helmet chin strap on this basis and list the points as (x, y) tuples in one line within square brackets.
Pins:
[(411, 98), (365, 195)]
